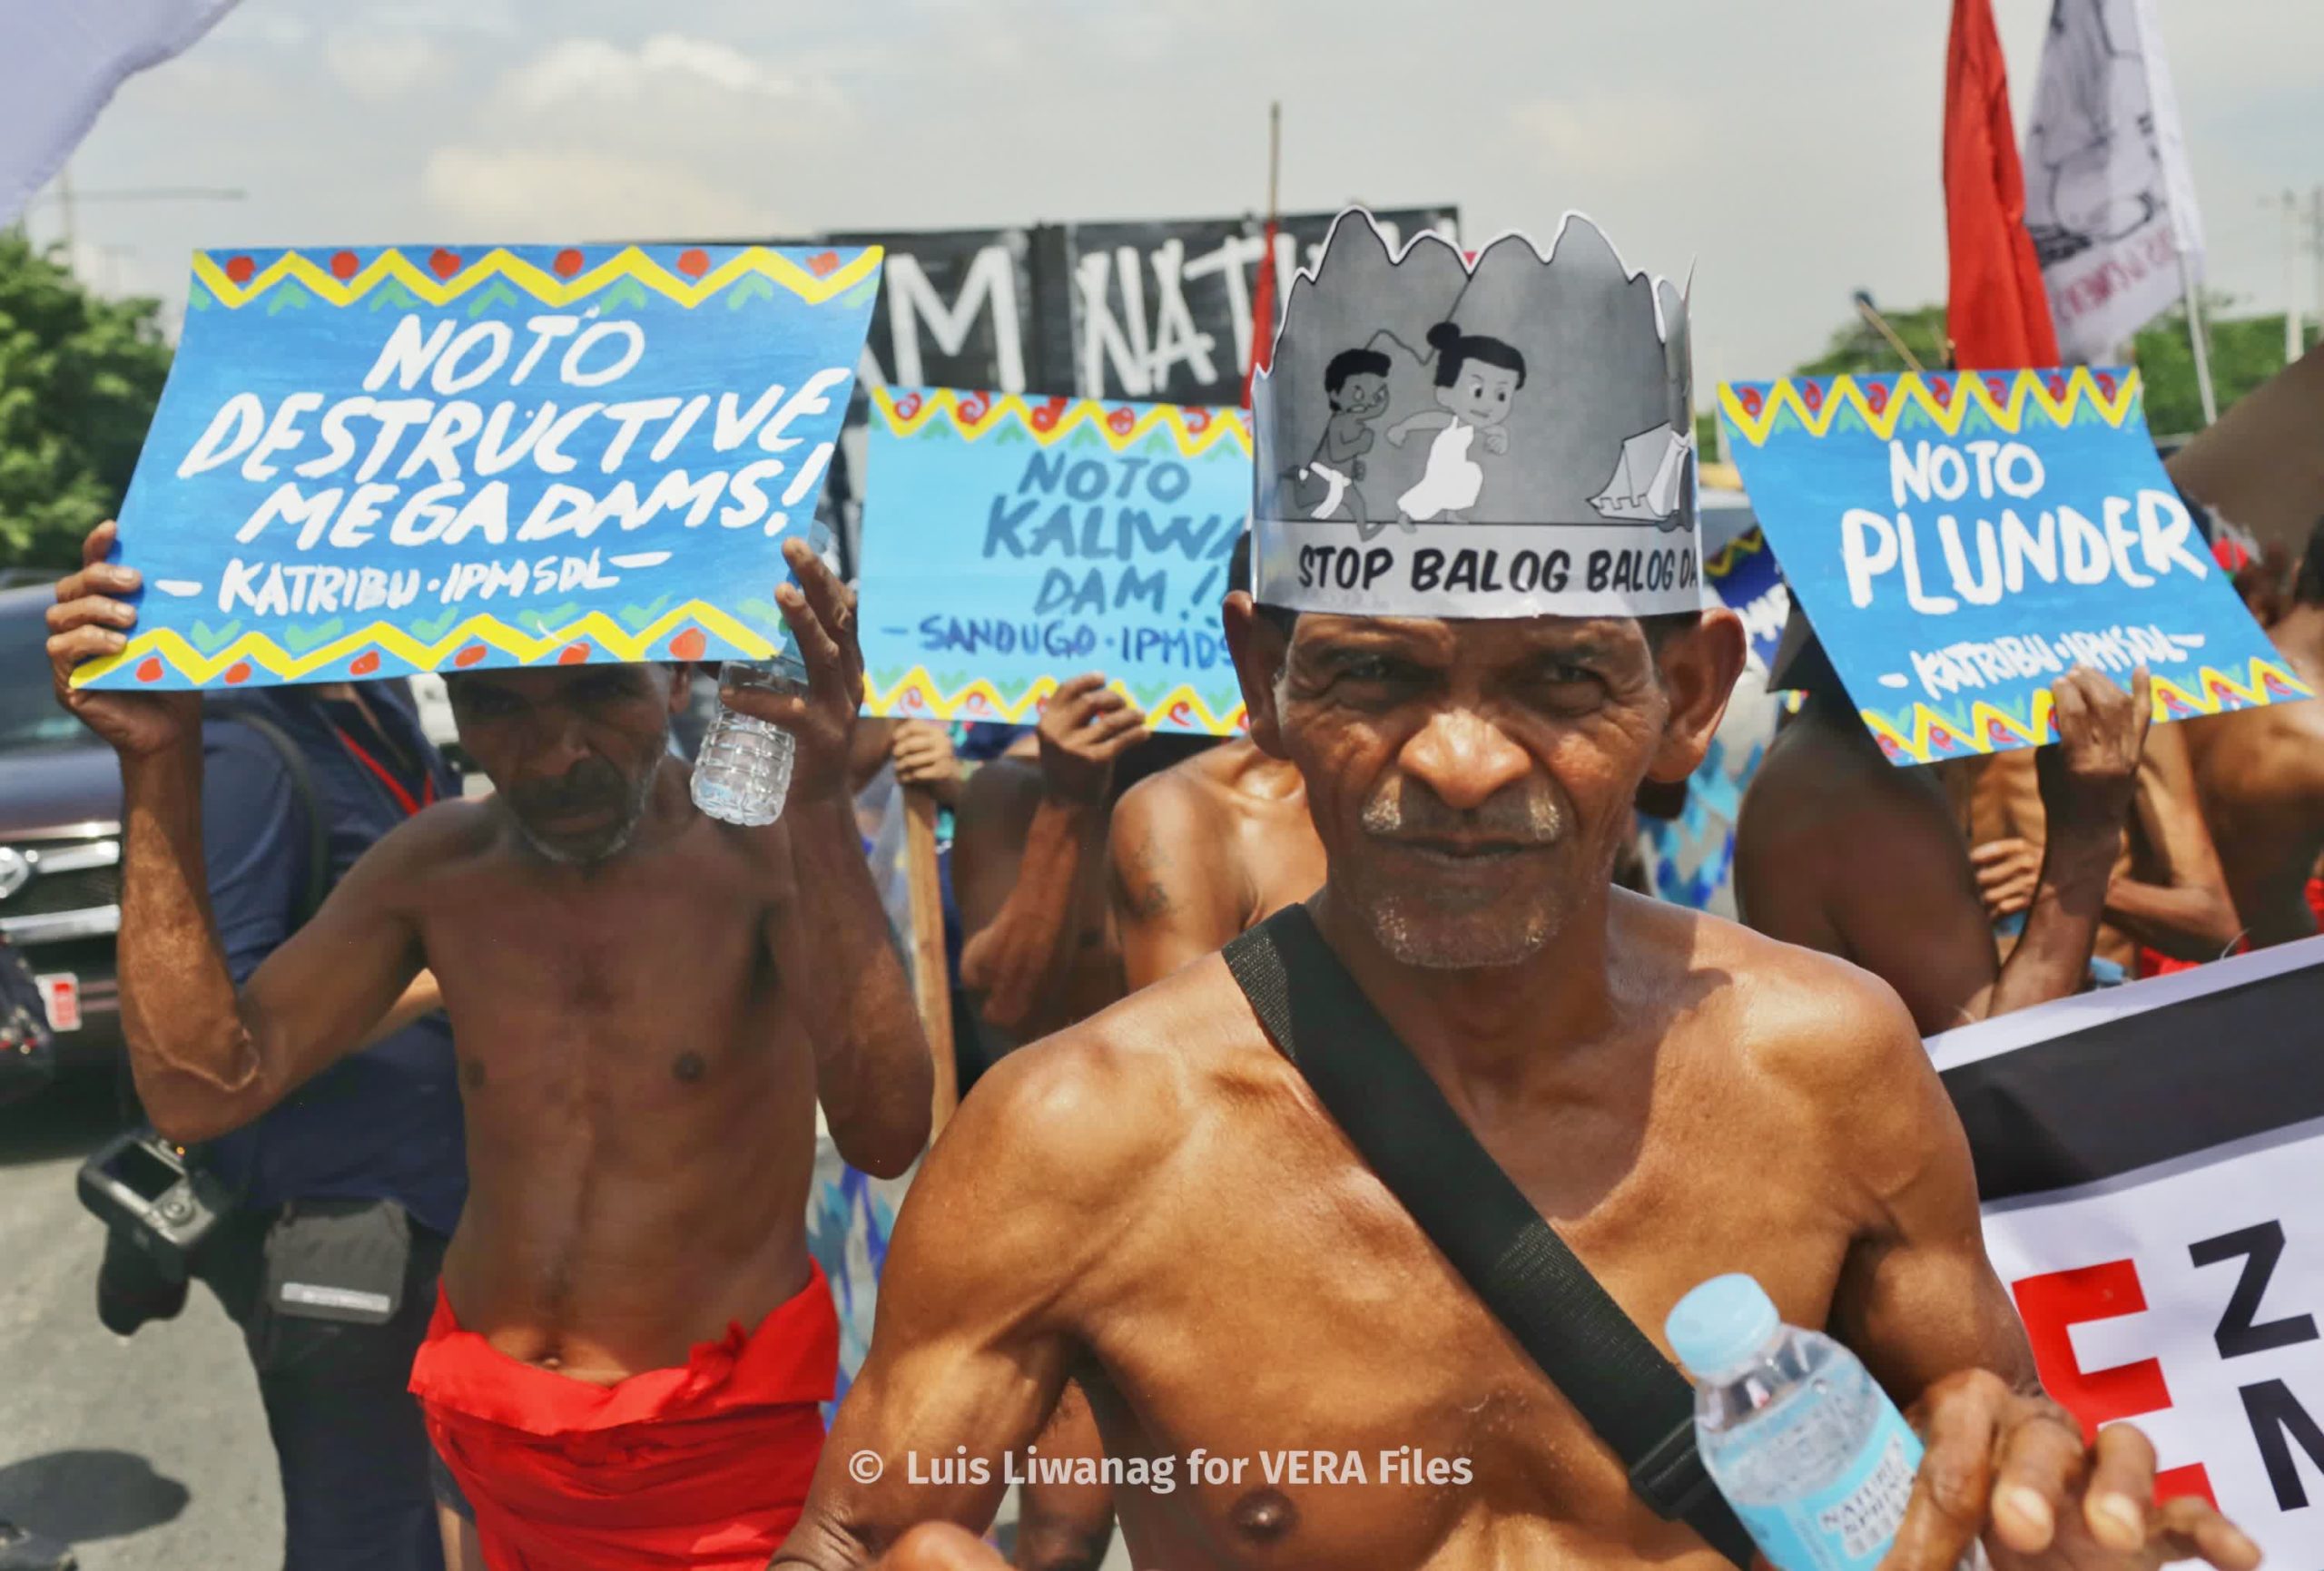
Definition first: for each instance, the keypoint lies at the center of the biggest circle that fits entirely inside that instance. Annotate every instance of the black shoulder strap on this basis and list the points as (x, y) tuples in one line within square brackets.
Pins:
[(1398, 1120), (303, 786)]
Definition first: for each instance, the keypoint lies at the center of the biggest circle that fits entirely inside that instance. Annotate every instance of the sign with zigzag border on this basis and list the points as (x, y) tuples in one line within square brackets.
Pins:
[(373, 461), (1959, 542), (1010, 545)]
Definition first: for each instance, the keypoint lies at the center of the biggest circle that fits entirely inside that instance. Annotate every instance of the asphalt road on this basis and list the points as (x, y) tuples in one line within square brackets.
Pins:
[(147, 1453)]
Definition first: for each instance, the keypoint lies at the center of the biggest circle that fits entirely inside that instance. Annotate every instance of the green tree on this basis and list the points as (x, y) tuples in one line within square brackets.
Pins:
[(1858, 349), (79, 379), (2245, 352)]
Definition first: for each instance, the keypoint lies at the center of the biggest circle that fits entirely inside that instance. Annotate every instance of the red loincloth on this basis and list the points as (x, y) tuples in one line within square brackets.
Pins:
[(703, 1468)]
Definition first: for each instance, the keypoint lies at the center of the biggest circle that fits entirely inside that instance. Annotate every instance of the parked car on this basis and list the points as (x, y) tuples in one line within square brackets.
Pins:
[(60, 840)]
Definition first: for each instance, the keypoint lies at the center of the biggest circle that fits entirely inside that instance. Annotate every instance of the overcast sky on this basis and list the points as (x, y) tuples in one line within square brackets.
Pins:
[(1787, 148)]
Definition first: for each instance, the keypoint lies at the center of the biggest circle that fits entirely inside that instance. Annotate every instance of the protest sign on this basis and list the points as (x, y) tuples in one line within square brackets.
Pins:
[(1009, 546), (2146, 1155), (370, 462), (1960, 542), (1741, 571)]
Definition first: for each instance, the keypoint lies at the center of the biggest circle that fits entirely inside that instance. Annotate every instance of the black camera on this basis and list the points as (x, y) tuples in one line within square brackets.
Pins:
[(157, 1208)]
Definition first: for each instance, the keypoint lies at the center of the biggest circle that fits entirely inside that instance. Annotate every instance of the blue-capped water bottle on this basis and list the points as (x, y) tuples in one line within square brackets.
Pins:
[(1815, 1458)]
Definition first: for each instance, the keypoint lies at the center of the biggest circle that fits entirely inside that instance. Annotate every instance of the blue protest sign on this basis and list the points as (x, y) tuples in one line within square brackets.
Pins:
[(369, 462), (1009, 546), (1960, 542)]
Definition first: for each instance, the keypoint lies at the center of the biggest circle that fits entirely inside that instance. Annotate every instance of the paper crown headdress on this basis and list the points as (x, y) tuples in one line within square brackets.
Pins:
[(1499, 434)]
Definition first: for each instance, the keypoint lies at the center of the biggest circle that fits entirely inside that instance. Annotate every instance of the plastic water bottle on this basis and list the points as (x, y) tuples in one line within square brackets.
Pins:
[(1799, 1438), (744, 771)]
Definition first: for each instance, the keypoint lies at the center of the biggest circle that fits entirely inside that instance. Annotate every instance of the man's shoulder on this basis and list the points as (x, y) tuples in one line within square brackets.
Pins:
[(454, 831), (1108, 1100), (1811, 1021), (1190, 794)]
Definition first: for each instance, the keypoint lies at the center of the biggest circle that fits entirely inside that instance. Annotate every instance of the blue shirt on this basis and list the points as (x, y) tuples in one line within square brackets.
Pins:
[(385, 1123)]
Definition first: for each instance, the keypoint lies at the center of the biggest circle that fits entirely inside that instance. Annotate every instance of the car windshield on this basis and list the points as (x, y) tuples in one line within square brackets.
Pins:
[(29, 717)]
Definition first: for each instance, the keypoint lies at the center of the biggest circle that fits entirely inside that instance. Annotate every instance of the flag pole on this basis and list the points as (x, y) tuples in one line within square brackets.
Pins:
[(2200, 338), (1274, 158)]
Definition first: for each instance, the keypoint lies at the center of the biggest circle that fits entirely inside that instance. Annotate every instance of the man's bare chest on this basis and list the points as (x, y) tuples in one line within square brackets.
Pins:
[(1306, 1330), (674, 962)]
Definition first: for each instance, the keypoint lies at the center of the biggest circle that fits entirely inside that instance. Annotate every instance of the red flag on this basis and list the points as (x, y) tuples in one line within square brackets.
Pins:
[(1262, 317), (1997, 312)]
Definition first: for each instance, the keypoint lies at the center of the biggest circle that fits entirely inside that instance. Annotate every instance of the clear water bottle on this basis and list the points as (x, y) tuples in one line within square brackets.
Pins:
[(744, 771), (1799, 1438)]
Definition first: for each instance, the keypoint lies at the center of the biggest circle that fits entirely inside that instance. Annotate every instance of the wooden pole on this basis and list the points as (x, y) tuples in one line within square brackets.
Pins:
[(931, 979)]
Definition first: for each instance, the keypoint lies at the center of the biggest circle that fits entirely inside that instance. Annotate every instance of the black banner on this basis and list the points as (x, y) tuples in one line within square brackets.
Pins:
[(2132, 1077)]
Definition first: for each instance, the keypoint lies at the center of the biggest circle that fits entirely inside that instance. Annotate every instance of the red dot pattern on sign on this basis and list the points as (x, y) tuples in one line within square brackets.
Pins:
[(444, 263), (150, 670), (343, 265), (1751, 401), (240, 672), (694, 263), (469, 656), (689, 644), (1122, 420), (573, 653), (240, 268), (568, 263), (365, 663), (823, 266), (908, 406)]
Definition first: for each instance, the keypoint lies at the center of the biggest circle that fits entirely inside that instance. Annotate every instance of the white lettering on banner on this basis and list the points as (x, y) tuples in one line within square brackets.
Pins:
[(1987, 549), (413, 457), (989, 285), (1975, 664), (2187, 1298)]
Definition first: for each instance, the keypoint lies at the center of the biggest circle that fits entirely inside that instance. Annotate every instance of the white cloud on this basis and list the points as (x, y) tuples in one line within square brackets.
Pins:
[(549, 194), (587, 69), (378, 68)]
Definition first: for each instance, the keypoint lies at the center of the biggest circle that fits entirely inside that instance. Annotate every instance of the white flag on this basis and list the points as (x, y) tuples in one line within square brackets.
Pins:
[(62, 62), (2108, 198)]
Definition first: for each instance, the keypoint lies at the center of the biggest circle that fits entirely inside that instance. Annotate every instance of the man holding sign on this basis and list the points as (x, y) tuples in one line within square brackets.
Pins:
[(1185, 1201), (632, 1338)]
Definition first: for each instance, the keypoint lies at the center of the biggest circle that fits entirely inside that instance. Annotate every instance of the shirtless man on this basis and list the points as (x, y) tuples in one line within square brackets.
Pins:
[(632, 1337), (1839, 849), (1160, 1206), (1029, 871), (1209, 848), (2167, 903), (2259, 776)]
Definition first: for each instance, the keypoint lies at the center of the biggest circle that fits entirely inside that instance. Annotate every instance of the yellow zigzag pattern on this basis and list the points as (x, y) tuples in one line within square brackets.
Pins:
[(915, 694), (1750, 543), (545, 287), (604, 638), (1196, 429), (2029, 391), (2211, 695)]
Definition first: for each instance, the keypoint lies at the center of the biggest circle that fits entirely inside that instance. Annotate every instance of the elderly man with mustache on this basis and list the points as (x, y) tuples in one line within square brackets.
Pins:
[(1164, 1204)]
